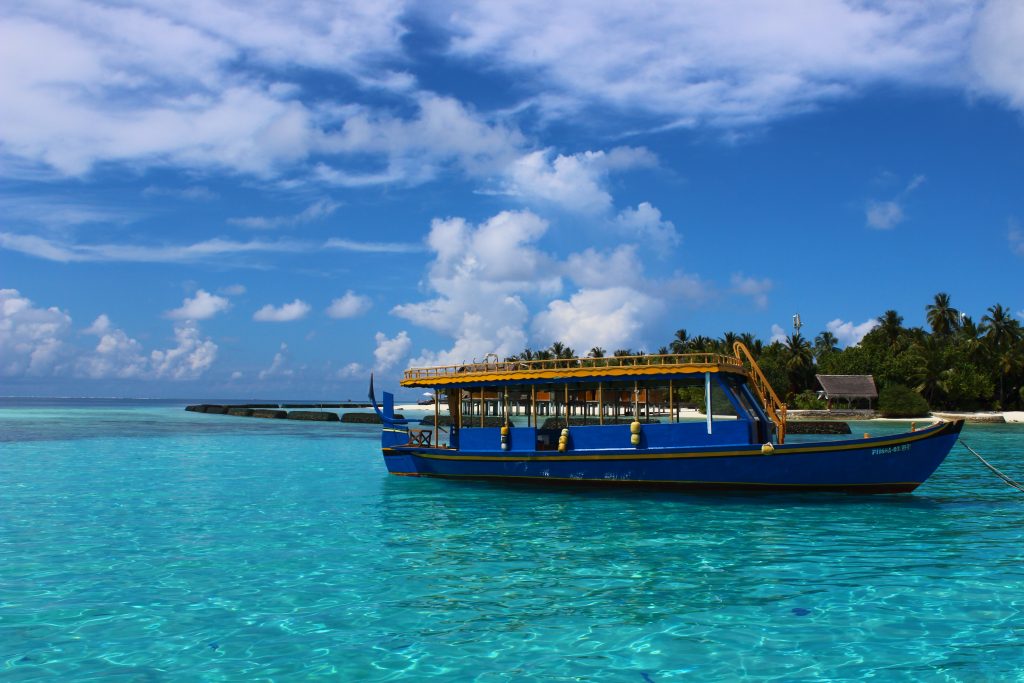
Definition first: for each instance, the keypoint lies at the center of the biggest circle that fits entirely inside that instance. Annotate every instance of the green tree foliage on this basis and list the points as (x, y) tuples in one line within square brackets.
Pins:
[(890, 326), (941, 315), (772, 360), (1001, 335), (561, 351), (799, 362), (957, 365), (808, 400), (680, 342), (824, 344), (753, 344), (900, 401), (702, 345)]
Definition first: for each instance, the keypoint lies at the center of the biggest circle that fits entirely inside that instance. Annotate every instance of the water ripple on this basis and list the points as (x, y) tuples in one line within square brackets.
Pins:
[(150, 545)]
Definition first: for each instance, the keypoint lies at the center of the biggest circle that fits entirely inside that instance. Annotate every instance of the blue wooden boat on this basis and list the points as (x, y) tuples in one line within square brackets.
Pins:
[(618, 422)]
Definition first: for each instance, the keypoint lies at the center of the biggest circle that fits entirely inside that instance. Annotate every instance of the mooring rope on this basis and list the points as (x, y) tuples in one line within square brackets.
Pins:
[(986, 463)]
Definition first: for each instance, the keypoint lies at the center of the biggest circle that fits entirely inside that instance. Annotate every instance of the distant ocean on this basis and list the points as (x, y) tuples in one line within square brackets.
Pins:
[(145, 543)]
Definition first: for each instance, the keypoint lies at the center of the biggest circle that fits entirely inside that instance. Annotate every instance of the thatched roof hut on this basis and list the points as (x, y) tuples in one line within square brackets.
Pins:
[(848, 387)]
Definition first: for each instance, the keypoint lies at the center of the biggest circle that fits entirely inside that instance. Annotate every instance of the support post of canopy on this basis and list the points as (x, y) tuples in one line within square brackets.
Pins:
[(671, 414), (567, 411), (533, 404), (437, 418), (707, 398), (600, 403), (636, 401), (483, 408)]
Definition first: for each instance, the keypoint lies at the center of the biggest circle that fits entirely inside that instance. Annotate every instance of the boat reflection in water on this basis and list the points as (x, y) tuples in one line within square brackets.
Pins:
[(615, 422)]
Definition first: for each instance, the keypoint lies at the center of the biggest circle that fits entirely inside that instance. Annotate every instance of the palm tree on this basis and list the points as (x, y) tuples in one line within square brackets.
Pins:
[(680, 342), (933, 372), (824, 343), (597, 352), (561, 351), (891, 324), (800, 360), (623, 353), (702, 344), (942, 317), (1007, 362), (753, 344), (726, 342), (968, 339), (1000, 332)]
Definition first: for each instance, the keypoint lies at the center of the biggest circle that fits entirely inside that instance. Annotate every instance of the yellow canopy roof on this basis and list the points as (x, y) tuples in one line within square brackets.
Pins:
[(618, 367)]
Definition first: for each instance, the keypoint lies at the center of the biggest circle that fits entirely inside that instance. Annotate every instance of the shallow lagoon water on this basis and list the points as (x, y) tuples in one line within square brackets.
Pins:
[(147, 543)]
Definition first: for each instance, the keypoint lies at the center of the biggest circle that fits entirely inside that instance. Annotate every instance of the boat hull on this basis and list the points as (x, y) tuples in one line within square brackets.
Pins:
[(894, 464)]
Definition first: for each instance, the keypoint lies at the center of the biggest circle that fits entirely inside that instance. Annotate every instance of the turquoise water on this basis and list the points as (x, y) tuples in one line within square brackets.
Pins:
[(150, 544)]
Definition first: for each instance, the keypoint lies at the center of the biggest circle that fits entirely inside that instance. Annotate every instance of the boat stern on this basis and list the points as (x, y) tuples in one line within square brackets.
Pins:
[(399, 462)]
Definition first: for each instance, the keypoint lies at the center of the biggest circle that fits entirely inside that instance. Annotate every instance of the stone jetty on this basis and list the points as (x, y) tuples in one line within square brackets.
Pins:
[(312, 416), (817, 427), (313, 412), (365, 418)]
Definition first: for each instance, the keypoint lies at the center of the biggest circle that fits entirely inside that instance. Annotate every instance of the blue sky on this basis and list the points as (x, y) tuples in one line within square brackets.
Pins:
[(219, 200)]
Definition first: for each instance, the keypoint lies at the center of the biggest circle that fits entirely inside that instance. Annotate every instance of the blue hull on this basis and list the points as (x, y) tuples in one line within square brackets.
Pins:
[(895, 464)]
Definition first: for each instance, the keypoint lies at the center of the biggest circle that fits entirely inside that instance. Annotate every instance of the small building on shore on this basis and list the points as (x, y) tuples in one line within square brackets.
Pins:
[(847, 387)]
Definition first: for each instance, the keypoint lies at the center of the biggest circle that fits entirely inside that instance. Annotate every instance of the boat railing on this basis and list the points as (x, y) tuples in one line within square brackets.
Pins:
[(508, 366), (774, 407)]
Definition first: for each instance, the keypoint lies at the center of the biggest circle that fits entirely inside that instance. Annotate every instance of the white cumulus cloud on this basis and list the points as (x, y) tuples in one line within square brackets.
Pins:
[(296, 310), (351, 371), (116, 354), (884, 215), (158, 84), (38, 342), (611, 318), (645, 224), (390, 352), (487, 278), (189, 359), (479, 275), (443, 132), (202, 306), (596, 269), (32, 340), (998, 50), (848, 333), (349, 306), (575, 182)]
